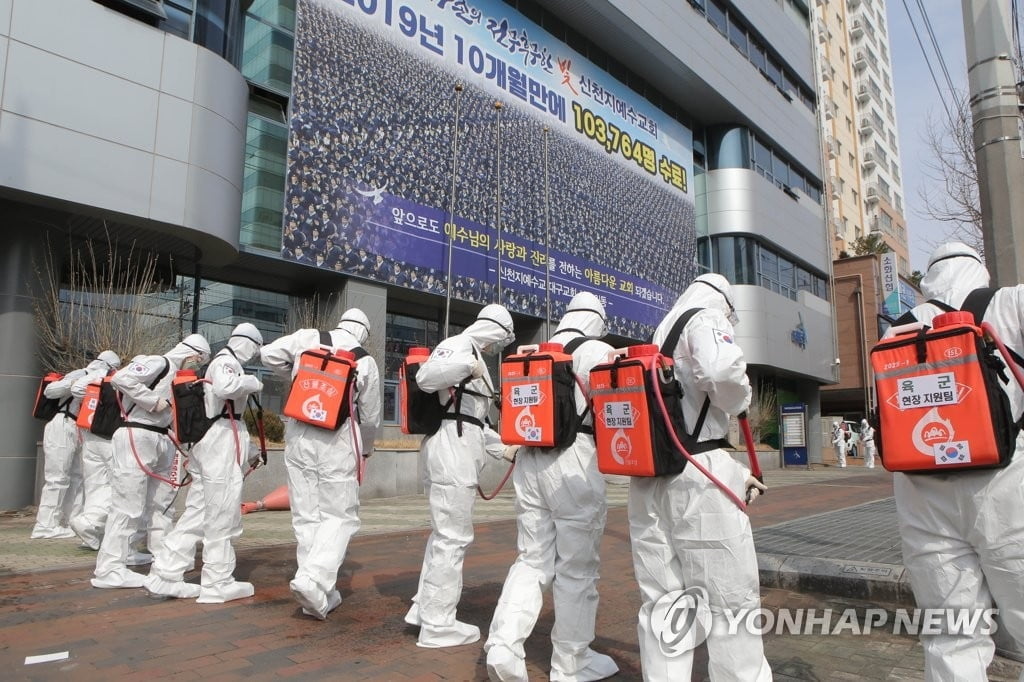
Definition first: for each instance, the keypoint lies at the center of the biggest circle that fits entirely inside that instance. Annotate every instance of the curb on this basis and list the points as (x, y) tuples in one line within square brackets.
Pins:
[(868, 581)]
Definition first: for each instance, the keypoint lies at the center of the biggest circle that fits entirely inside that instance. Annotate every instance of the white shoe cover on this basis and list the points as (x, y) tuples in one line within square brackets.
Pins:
[(121, 577), (598, 667), (412, 616), (505, 666), (138, 559), (39, 533), (225, 593), (333, 602), (87, 534), (456, 634), (310, 597), (158, 587)]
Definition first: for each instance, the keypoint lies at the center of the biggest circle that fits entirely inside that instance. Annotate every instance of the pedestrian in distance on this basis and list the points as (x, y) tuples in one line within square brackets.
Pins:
[(685, 532), (963, 531), (867, 439), (144, 458), (453, 458), (839, 443), (323, 464), (560, 511)]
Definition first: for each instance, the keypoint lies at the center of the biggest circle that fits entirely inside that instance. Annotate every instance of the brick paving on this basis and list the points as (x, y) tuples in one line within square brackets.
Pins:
[(123, 634)]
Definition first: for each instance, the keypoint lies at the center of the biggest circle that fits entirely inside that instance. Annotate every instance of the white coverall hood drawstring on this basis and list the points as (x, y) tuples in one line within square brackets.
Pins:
[(585, 313), (355, 322)]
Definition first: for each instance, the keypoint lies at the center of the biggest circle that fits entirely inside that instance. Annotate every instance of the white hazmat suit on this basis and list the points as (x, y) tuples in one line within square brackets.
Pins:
[(963, 532), (140, 499), (839, 443), (452, 468), (867, 438), (560, 511), (89, 523), (61, 497), (323, 465), (685, 532), (216, 463)]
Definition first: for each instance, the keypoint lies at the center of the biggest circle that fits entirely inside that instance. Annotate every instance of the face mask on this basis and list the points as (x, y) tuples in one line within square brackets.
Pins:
[(733, 318)]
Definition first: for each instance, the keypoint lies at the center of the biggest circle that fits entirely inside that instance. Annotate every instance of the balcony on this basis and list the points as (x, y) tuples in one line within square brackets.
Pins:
[(822, 31), (852, 4), (869, 160), (872, 194), (857, 30), (831, 146)]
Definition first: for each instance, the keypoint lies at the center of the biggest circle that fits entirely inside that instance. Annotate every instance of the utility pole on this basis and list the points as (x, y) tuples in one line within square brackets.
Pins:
[(995, 109)]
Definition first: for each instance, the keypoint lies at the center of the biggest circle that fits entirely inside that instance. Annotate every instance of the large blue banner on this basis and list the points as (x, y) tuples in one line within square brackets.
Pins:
[(436, 127)]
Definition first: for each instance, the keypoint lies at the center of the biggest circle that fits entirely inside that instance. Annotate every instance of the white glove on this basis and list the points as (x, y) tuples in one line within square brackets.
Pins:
[(754, 489), (478, 368), (253, 384), (510, 453)]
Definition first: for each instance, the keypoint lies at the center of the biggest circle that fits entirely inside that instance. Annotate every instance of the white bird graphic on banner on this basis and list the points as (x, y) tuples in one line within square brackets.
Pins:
[(375, 193)]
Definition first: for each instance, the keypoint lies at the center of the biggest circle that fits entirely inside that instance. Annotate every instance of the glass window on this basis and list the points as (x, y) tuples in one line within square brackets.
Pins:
[(277, 12), (263, 182), (786, 278), (217, 24), (781, 171), (762, 159), (757, 54), (737, 35), (268, 55), (775, 72), (768, 269), (717, 16)]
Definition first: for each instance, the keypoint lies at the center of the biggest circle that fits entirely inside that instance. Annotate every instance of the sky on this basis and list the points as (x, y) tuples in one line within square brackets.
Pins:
[(917, 98)]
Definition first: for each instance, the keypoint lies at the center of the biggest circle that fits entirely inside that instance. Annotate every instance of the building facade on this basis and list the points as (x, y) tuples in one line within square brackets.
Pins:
[(191, 149), (858, 113)]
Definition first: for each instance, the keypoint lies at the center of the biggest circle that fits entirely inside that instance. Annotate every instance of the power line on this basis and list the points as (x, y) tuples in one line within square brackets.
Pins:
[(928, 63), (935, 45)]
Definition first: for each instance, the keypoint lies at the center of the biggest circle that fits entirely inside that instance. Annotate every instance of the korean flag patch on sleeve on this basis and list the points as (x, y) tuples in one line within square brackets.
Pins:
[(723, 336)]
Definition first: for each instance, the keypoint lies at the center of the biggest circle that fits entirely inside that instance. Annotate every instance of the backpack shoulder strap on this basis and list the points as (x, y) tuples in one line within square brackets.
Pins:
[(669, 346), (326, 340), (906, 318), (941, 305), (359, 352), (977, 302), (161, 375), (571, 347)]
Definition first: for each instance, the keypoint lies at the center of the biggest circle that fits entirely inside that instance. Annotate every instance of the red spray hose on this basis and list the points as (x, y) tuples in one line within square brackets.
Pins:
[(679, 446), (755, 465)]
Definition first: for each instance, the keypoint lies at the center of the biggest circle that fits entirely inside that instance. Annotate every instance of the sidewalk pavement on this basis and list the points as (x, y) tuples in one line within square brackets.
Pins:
[(826, 539)]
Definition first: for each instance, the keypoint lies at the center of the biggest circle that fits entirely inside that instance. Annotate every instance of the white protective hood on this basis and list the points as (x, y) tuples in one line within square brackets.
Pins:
[(954, 270), (245, 341), (193, 344), (710, 290), (585, 313), (356, 323), (493, 329)]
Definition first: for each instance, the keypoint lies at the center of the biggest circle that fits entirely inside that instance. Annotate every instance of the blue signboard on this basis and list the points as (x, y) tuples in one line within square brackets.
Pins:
[(793, 432), (428, 128)]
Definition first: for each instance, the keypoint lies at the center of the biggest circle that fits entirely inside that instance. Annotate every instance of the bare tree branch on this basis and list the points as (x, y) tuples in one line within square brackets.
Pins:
[(101, 300), (954, 168)]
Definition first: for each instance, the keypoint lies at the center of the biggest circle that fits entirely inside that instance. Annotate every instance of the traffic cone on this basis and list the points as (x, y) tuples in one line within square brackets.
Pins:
[(275, 500)]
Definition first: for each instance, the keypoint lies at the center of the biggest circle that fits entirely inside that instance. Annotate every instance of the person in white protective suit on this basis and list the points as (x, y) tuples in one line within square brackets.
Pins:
[(89, 522), (453, 458), (560, 511), (61, 497), (322, 465), (867, 438), (144, 459), (216, 462), (686, 533), (963, 532), (839, 443)]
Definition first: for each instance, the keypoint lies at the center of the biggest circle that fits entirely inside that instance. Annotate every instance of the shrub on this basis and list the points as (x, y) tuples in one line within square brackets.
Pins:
[(272, 425)]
